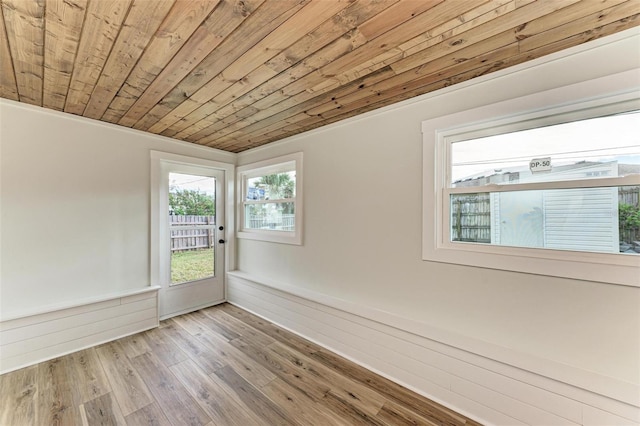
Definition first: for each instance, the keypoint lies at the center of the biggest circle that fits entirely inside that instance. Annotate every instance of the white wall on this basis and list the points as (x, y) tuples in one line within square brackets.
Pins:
[(362, 236), (75, 207)]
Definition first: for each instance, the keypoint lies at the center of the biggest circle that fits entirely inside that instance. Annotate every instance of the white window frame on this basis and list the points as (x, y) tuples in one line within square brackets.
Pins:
[(517, 114), (265, 167)]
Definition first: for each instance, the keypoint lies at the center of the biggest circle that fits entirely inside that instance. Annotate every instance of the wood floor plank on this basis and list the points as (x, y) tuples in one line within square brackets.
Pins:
[(262, 406), (239, 327), (18, 390), (179, 407), (134, 345), (249, 369), (392, 391), (360, 396), (214, 325), (345, 408), (294, 376), (88, 376), (223, 407), (188, 372), (394, 414), (196, 350), (103, 411), (303, 409), (55, 402), (129, 389), (150, 415), (279, 334), (163, 346)]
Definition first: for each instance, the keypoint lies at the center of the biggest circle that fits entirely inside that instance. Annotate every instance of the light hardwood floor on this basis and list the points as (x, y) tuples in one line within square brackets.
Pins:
[(217, 366)]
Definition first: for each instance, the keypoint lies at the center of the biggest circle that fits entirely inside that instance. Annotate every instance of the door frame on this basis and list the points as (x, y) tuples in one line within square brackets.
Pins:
[(158, 159)]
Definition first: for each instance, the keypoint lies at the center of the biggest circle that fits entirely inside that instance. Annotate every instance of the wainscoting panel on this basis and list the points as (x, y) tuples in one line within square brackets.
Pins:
[(42, 336), (491, 391)]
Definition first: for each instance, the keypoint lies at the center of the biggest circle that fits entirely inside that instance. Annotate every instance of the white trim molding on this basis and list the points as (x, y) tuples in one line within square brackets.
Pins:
[(37, 337), (492, 384)]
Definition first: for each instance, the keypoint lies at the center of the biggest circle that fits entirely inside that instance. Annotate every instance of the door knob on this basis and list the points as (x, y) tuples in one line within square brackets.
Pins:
[(221, 241)]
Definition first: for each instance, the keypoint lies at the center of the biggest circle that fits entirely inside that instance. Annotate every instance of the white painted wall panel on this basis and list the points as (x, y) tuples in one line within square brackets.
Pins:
[(508, 405), (363, 225), (75, 207), (28, 340), (492, 392), (42, 331), (596, 417)]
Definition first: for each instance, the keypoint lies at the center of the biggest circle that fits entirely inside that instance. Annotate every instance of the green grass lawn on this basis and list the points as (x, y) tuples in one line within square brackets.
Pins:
[(191, 265)]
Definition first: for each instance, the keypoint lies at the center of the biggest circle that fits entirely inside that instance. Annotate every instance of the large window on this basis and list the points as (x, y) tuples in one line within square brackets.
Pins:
[(552, 191), (271, 202)]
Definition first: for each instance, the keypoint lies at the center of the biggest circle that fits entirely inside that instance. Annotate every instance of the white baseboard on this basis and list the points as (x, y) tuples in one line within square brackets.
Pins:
[(480, 385), (37, 337)]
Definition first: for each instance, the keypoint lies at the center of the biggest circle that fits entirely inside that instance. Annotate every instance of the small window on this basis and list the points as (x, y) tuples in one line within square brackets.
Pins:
[(271, 201), (553, 192)]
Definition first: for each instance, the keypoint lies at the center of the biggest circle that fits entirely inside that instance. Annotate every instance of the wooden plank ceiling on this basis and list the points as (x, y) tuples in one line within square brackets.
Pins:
[(236, 74)]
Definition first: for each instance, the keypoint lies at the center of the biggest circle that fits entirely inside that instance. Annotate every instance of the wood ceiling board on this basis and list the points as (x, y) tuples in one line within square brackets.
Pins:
[(64, 22), (395, 15), (141, 24), (442, 12), (261, 21), (494, 42), (576, 26), (236, 74), (430, 82), (24, 25), (223, 20), (478, 16), (374, 102), (509, 21), (282, 86), (182, 21), (304, 85), (299, 104), (293, 56), (8, 85), (101, 27)]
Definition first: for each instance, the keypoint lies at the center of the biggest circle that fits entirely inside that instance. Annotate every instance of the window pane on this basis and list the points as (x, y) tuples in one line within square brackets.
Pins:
[(192, 227), (583, 219), (273, 216), (272, 187), (587, 149)]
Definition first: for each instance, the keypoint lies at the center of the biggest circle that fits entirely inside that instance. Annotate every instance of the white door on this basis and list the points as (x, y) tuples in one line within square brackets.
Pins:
[(191, 238)]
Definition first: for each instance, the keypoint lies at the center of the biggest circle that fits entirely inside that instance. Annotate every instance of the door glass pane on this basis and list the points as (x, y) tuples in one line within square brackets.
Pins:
[(192, 223)]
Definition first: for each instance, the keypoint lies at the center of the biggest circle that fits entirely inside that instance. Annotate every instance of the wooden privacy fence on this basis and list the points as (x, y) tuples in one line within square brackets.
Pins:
[(190, 238), (629, 195), (471, 216)]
